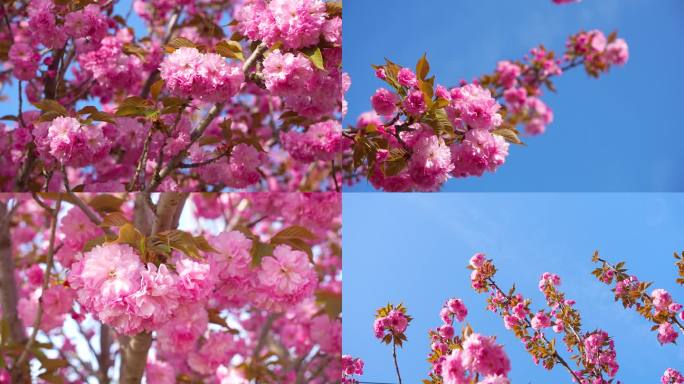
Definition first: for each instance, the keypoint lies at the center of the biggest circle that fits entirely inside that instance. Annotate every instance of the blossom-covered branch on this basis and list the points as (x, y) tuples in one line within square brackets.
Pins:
[(658, 307), (420, 134), (594, 359)]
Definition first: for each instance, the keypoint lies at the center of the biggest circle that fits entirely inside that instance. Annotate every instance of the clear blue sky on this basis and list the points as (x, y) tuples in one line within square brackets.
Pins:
[(413, 248), (619, 133)]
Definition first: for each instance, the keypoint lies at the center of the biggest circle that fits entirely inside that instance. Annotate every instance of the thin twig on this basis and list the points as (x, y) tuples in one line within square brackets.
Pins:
[(396, 363), (46, 280)]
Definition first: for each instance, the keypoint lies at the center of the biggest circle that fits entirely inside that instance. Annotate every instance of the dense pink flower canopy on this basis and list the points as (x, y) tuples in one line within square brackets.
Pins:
[(106, 107), (235, 287)]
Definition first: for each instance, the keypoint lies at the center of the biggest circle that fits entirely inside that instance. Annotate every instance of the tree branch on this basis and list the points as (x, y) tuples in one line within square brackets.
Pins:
[(134, 349), (9, 294), (46, 280)]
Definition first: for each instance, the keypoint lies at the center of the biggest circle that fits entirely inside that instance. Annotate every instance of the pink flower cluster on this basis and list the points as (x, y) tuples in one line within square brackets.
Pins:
[(283, 279), (599, 351), (296, 23), (88, 26), (205, 76), (70, 142), (657, 307), (240, 170), (25, 60), (351, 367), (480, 356), (395, 323), (308, 91), (479, 151), (43, 24), (57, 302), (111, 67), (472, 112), (672, 376), (287, 276), (113, 284), (322, 141), (597, 50)]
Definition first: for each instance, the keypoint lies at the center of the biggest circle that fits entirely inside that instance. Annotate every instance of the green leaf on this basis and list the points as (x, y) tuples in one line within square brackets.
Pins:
[(333, 8), (259, 251), (129, 111), (156, 88), (230, 49), (438, 120), (295, 231), (395, 162), (106, 203), (316, 57), (114, 219), (128, 234), (422, 67), (179, 42), (133, 49), (48, 105), (102, 116), (331, 302), (508, 134)]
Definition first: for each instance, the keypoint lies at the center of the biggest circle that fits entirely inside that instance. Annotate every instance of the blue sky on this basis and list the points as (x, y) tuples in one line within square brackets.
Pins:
[(618, 133), (413, 248)]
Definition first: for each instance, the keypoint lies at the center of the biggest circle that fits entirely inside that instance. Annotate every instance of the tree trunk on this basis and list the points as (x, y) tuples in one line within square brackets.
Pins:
[(9, 296), (134, 349)]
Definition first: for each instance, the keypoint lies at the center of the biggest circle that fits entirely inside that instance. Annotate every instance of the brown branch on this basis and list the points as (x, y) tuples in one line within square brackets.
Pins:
[(46, 280), (9, 295), (134, 349), (558, 357), (104, 358)]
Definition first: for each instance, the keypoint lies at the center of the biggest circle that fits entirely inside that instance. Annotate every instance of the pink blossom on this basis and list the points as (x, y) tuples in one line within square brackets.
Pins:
[(76, 229), (540, 320), (25, 60), (297, 23), (672, 376), (206, 76), (111, 67), (287, 73), (661, 299), (475, 107), (430, 163), (617, 52), (666, 333), (181, 333), (384, 102), (407, 78), (482, 354), (322, 141), (72, 143), (478, 260), (195, 281), (458, 308), (479, 151), (158, 371), (288, 275), (226, 375), (600, 350), (218, 349), (88, 23), (508, 73), (414, 103), (453, 369)]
